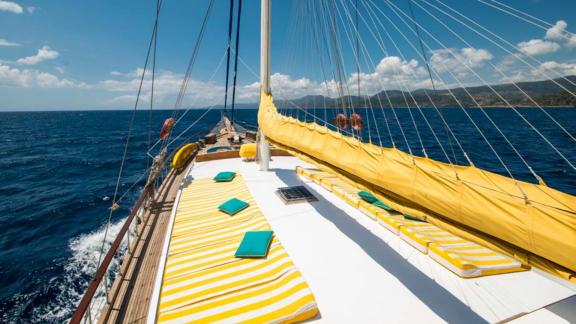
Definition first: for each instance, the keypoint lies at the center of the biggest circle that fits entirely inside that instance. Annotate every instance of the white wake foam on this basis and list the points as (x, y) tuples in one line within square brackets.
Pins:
[(78, 272)]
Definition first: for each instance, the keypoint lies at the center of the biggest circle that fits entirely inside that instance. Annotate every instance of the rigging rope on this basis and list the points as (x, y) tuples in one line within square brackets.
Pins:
[(129, 135), (152, 92), (515, 55), (381, 43), (429, 72), (186, 79), (401, 84), (491, 87)]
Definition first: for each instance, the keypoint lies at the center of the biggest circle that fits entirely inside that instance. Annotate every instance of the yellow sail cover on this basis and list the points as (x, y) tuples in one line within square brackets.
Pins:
[(537, 219)]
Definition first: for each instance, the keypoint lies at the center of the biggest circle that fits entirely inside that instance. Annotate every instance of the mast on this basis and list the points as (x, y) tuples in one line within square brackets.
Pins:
[(263, 147)]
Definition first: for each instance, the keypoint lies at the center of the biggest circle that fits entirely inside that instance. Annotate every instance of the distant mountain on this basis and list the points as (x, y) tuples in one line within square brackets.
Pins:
[(545, 93)]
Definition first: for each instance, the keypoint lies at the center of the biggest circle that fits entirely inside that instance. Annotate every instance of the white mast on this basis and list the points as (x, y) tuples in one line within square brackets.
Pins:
[(263, 148)]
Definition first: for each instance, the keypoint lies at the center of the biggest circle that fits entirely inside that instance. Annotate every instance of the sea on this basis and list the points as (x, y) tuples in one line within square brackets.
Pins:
[(58, 172)]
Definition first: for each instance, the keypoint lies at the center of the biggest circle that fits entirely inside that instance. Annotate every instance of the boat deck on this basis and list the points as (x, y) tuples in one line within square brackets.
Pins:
[(361, 273), (134, 287)]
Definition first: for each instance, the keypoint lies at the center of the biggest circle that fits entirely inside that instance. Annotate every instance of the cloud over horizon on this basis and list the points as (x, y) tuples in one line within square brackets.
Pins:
[(4, 42), (43, 54), (29, 78), (10, 6)]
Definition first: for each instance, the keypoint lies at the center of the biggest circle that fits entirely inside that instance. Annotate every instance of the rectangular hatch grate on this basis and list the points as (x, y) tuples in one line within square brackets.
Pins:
[(295, 194)]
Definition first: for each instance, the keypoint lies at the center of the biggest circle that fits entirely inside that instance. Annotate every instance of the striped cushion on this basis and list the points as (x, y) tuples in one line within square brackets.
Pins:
[(393, 222), (349, 197), (204, 282), (421, 236), (465, 258), (472, 260), (370, 210)]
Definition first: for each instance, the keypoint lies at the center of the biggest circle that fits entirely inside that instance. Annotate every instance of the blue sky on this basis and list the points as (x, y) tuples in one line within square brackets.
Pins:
[(85, 54)]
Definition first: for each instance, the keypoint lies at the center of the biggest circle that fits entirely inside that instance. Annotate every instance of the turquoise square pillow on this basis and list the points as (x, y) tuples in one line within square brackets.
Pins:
[(381, 205), (254, 244), (233, 206), (368, 197), (226, 176)]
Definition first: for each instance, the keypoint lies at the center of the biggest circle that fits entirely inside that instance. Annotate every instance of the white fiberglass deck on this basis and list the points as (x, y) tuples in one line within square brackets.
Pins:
[(361, 273)]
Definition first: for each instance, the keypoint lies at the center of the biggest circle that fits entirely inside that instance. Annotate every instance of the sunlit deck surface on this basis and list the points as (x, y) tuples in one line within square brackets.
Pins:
[(361, 273)]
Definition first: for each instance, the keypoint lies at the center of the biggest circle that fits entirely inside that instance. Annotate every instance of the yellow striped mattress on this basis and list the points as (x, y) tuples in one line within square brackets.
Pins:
[(463, 257), (204, 283)]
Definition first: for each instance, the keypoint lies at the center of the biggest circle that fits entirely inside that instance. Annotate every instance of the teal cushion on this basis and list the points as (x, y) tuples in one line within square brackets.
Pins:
[(413, 218), (382, 205), (368, 197), (233, 206), (254, 244), (225, 176)]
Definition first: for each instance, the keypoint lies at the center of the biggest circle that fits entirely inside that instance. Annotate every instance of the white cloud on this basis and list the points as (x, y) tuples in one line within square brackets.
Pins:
[(4, 42), (571, 42), (459, 62), (538, 47), (10, 7), (136, 73), (45, 53), (166, 88), (286, 87), (28, 78), (555, 36), (391, 72), (560, 68), (31, 9), (557, 31)]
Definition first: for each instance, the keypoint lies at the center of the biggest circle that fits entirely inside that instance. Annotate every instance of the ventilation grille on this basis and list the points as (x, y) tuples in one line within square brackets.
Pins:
[(291, 195)]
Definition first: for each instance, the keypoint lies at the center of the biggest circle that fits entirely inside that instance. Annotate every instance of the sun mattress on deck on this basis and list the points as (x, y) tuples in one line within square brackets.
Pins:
[(465, 258), (204, 282)]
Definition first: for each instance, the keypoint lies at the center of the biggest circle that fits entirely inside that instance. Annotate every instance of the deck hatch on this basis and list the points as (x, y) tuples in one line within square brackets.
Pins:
[(296, 194)]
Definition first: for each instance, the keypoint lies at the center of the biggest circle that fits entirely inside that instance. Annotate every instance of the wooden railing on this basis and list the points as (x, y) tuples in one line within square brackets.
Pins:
[(84, 311), (84, 308)]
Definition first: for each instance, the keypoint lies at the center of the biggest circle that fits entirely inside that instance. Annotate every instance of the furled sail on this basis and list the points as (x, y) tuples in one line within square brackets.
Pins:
[(535, 218)]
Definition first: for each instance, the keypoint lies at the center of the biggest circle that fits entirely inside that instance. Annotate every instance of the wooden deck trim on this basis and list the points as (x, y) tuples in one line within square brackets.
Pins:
[(132, 289), (234, 154)]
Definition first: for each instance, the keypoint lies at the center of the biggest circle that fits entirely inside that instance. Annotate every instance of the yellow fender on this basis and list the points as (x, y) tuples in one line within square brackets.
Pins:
[(182, 156), (248, 151)]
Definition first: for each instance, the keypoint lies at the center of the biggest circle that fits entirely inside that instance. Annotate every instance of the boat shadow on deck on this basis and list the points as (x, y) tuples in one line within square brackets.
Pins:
[(433, 295)]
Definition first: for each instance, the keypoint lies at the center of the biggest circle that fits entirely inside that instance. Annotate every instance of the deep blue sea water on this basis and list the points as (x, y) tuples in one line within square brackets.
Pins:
[(57, 168)]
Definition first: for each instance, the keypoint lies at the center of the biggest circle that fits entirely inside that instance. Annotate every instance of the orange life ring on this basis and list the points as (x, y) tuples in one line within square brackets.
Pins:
[(341, 121), (166, 128), (356, 122)]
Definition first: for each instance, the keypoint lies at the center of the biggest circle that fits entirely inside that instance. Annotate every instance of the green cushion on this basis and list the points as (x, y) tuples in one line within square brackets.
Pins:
[(382, 205), (233, 206), (413, 218), (368, 197), (254, 244), (225, 176)]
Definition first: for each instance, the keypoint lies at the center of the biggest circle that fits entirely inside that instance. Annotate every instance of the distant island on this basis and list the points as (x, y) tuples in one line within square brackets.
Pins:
[(545, 93)]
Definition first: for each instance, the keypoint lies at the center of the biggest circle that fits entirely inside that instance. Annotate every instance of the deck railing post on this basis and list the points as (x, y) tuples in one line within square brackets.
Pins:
[(128, 241), (89, 313), (106, 287)]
